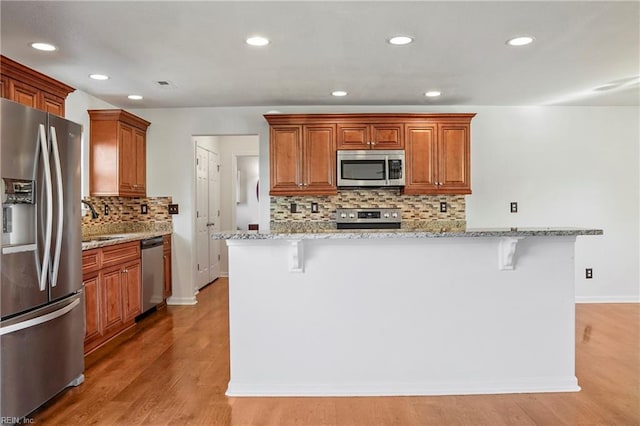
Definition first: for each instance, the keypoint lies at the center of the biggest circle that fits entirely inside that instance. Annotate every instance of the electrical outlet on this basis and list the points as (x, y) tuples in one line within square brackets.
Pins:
[(443, 206), (314, 207), (106, 210), (588, 273), (143, 209), (173, 209), (293, 208), (514, 207)]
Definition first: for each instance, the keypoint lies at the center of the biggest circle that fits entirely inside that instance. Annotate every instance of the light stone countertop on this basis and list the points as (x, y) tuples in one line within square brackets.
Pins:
[(399, 233), (97, 241)]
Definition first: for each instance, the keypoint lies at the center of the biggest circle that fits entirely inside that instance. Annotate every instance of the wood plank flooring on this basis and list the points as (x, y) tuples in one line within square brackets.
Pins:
[(173, 369)]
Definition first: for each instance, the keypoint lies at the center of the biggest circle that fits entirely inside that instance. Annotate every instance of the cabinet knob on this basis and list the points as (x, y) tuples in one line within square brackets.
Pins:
[(300, 184)]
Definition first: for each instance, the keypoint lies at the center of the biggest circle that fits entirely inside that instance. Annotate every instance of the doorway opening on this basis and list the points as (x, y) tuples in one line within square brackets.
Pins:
[(226, 198)]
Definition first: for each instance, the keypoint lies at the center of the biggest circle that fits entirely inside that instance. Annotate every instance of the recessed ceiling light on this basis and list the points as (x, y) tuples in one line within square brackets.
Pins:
[(99, 76), (432, 94), (257, 41), (339, 93), (520, 41), (44, 46), (134, 97), (400, 40)]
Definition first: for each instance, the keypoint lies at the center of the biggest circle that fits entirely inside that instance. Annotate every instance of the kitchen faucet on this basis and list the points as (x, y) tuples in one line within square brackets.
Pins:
[(94, 213)]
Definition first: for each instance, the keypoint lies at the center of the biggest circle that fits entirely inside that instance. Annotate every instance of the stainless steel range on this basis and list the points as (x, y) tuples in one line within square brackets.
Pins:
[(375, 218)]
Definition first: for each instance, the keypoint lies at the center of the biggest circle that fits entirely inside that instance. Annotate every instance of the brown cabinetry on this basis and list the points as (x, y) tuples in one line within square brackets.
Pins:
[(112, 290), (438, 156), (31, 88), (117, 153), (302, 149), (370, 136), (166, 262), (303, 159)]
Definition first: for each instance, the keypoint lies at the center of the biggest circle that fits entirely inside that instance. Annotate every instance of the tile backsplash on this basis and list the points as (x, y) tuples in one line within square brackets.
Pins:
[(418, 211), (125, 215)]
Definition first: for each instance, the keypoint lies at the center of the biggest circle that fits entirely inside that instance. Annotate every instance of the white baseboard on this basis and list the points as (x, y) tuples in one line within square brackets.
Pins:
[(526, 385), (224, 274), (182, 300), (607, 299)]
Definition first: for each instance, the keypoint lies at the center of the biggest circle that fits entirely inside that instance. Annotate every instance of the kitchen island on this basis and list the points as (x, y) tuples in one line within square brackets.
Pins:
[(350, 313)]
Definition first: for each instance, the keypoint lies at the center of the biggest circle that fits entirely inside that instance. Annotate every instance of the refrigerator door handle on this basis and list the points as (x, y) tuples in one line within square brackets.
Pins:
[(60, 199), (39, 320), (49, 200)]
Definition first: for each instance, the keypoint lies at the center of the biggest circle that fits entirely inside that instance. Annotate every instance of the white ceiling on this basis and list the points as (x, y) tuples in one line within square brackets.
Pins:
[(317, 47)]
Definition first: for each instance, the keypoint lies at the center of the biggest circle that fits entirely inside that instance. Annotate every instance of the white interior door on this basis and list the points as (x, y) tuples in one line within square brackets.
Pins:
[(202, 217), (214, 215)]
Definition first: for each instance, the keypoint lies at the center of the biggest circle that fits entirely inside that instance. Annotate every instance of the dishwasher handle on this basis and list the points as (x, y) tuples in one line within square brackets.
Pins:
[(151, 242)]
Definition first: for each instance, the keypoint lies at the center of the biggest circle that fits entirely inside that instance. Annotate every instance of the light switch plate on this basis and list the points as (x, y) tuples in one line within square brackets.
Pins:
[(144, 209)]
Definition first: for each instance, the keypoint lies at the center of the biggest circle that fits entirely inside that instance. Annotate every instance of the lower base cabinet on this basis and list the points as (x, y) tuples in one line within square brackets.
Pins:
[(112, 280)]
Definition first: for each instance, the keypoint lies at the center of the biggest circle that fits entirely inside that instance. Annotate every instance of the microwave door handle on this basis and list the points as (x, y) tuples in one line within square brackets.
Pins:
[(60, 201), (387, 168), (49, 206)]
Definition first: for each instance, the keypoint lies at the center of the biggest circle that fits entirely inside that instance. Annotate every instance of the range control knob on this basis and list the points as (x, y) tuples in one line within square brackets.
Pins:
[(394, 215), (352, 215), (386, 215), (343, 215)]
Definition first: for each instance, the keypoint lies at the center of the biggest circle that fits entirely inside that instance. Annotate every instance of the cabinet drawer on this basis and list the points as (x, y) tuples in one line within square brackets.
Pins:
[(119, 253), (91, 261)]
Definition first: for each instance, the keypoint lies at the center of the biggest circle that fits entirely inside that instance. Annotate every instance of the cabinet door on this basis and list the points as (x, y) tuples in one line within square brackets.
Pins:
[(132, 290), (166, 262), (319, 154), (92, 299), (421, 159), (387, 136), (127, 159), (354, 136), (285, 154), (111, 305), (24, 94), (53, 104), (454, 159), (140, 142), (4, 87)]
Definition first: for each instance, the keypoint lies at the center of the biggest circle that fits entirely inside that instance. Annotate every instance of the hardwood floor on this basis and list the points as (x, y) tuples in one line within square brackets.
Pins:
[(174, 368)]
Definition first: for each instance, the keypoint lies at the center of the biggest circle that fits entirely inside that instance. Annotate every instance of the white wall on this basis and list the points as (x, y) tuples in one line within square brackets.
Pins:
[(566, 166)]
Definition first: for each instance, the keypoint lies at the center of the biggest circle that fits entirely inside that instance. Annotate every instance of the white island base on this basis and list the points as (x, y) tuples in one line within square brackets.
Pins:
[(401, 316)]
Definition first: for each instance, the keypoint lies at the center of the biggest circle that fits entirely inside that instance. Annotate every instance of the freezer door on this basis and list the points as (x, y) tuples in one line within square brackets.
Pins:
[(41, 354), (21, 132), (66, 241)]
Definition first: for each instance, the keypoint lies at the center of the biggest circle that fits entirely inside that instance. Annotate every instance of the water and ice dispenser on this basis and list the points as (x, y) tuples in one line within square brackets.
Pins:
[(18, 211)]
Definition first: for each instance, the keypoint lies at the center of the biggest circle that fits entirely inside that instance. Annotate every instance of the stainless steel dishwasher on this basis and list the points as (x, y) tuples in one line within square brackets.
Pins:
[(152, 272)]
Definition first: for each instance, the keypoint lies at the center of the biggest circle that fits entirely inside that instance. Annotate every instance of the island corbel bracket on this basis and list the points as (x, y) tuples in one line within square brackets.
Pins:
[(506, 253), (296, 256)]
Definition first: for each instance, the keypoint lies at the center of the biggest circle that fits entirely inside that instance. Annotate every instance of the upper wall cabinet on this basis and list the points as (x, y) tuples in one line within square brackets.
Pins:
[(438, 156), (31, 88), (302, 159), (302, 149), (117, 153), (370, 135)]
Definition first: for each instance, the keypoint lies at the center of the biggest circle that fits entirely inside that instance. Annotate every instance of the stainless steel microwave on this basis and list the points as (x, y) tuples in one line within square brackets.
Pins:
[(370, 168)]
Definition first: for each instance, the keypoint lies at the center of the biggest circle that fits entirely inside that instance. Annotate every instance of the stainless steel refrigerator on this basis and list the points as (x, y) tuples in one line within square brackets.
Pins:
[(42, 309)]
